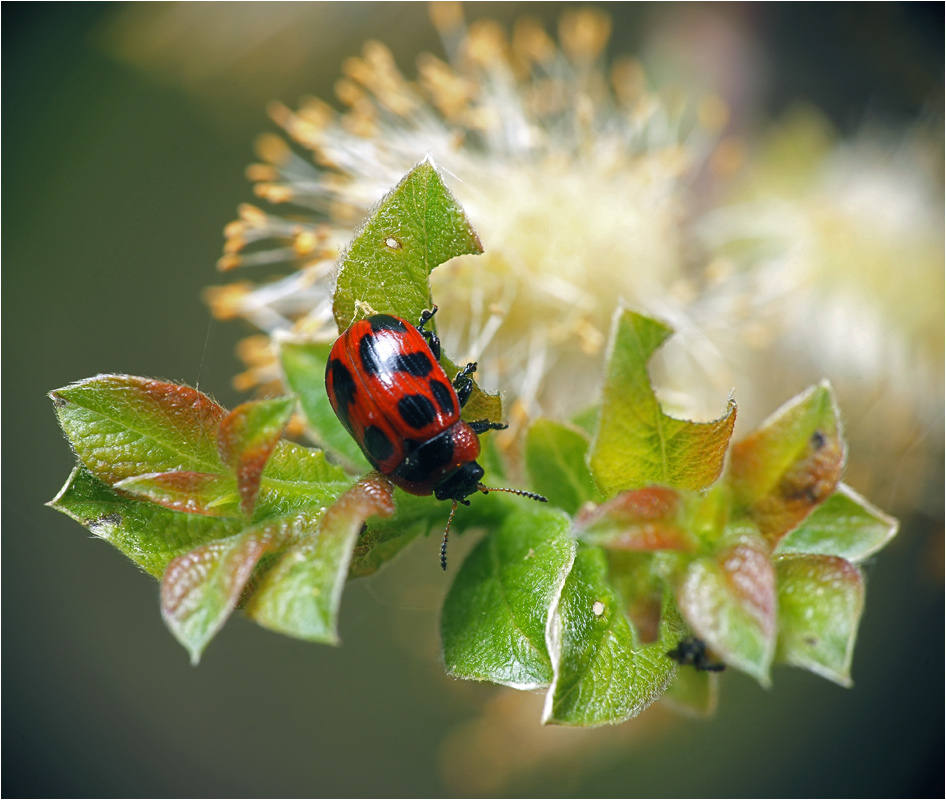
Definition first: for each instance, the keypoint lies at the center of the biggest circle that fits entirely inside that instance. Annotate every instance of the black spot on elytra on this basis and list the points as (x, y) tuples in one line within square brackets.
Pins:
[(385, 322), (377, 444), (343, 385), (427, 458), (417, 364), (416, 410), (444, 397), (368, 355)]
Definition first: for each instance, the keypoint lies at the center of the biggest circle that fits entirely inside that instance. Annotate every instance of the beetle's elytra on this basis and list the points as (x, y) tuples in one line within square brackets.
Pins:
[(385, 382)]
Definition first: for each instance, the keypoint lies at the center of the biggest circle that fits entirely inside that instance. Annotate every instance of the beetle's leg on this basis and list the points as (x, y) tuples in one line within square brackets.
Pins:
[(432, 341), (426, 316), (463, 383), (483, 425)]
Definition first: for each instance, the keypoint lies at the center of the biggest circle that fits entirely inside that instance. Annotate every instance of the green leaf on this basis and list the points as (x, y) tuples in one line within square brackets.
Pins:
[(636, 444), (301, 593), (295, 478), (190, 492), (643, 520), (783, 470), (480, 404), (122, 425), (385, 537), (147, 533), (304, 366), (635, 578), (603, 674), (493, 459), (298, 478), (844, 525), (246, 438), (820, 602), (729, 602), (707, 517), (555, 460), (587, 419), (201, 588), (416, 227), (693, 692), (493, 624)]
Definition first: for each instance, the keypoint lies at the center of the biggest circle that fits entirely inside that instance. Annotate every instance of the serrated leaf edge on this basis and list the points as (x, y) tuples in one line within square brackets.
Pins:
[(892, 523)]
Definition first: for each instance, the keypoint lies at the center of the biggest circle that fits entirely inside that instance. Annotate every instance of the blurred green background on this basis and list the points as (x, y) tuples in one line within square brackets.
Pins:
[(123, 166)]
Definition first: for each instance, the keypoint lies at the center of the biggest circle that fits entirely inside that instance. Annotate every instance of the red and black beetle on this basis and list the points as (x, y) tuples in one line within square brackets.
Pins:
[(385, 382)]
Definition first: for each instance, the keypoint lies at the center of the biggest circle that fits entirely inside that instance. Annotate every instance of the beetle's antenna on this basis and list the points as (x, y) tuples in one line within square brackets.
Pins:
[(446, 533), (521, 492)]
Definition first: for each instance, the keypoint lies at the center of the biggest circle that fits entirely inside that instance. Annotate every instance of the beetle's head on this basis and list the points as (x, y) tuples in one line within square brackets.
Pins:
[(461, 484)]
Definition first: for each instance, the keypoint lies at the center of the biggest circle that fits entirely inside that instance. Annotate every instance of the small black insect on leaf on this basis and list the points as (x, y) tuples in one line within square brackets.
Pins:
[(693, 652)]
